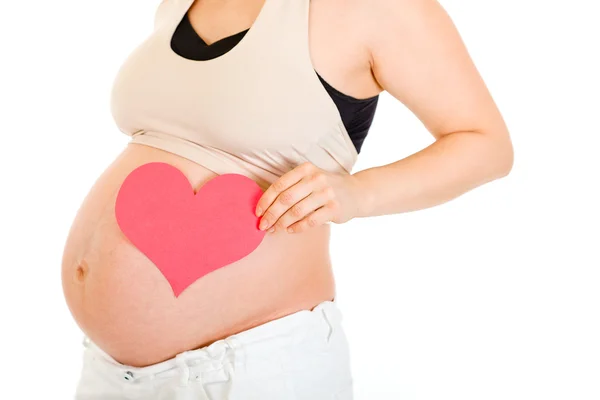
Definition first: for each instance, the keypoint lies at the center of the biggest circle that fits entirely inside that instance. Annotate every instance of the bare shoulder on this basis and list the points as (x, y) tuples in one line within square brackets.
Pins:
[(418, 56), (401, 24)]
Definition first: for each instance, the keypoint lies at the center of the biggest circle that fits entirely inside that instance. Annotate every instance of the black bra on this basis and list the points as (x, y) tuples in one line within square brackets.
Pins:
[(357, 114)]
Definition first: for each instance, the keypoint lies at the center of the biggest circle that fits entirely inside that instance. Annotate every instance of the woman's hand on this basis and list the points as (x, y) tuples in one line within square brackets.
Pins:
[(306, 197)]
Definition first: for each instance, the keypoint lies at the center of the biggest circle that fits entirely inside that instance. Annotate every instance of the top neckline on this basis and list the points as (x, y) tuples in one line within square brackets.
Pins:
[(188, 23), (223, 45), (244, 41)]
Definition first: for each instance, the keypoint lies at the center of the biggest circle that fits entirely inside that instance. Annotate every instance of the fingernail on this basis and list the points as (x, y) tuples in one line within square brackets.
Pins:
[(258, 211), (263, 224), (271, 230), (290, 230)]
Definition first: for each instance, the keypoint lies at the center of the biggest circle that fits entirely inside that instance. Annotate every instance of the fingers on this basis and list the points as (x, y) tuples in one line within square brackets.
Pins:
[(302, 209), (280, 185), (288, 198), (284, 202), (319, 217)]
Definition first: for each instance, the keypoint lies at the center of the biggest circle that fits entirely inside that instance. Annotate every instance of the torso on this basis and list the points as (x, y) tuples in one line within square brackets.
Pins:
[(121, 301)]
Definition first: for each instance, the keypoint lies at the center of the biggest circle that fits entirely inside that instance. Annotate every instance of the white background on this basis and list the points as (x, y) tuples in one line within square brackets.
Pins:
[(494, 295)]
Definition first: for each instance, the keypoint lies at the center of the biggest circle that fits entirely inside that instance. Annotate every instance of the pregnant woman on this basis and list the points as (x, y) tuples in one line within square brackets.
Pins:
[(282, 93)]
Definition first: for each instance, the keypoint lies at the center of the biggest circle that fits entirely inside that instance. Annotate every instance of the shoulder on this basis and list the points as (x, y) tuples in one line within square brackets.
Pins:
[(390, 11), (400, 21)]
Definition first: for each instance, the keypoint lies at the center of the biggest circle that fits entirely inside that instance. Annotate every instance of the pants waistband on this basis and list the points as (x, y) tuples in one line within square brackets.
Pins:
[(254, 343)]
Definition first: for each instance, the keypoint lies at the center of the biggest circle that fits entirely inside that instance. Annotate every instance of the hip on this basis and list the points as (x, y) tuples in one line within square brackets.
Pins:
[(301, 356)]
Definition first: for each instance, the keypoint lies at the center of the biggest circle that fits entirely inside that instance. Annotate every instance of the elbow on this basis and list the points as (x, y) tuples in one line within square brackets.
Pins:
[(503, 156)]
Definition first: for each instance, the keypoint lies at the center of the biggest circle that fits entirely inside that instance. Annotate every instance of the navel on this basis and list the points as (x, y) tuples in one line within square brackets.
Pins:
[(81, 271)]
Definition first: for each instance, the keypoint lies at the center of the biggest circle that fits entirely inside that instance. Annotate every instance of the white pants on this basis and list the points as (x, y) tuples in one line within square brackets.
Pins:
[(302, 356)]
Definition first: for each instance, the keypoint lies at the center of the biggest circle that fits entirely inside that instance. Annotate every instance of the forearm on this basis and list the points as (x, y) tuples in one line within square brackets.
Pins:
[(449, 167)]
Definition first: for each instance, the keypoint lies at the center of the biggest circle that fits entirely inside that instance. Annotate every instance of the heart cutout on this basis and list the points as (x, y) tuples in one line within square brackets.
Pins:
[(185, 234)]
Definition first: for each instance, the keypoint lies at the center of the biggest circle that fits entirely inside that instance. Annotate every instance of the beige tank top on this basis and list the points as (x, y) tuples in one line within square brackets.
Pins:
[(258, 110)]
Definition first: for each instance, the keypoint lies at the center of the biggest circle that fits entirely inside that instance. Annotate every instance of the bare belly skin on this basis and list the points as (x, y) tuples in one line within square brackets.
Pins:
[(122, 302)]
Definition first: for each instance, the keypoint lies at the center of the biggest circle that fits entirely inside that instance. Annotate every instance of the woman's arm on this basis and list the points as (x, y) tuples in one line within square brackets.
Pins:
[(419, 58)]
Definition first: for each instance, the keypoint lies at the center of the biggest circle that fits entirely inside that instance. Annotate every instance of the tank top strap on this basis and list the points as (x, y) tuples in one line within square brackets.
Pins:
[(168, 11), (280, 39), (285, 22)]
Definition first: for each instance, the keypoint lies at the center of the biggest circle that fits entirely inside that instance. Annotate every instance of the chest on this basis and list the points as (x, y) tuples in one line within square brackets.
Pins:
[(336, 39), (260, 101)]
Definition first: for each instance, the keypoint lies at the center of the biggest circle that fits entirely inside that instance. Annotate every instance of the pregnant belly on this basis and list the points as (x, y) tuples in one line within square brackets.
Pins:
[(121, 300)]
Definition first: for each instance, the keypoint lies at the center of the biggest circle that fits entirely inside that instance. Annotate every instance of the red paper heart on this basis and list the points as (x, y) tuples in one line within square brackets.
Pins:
[(188, 235)]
